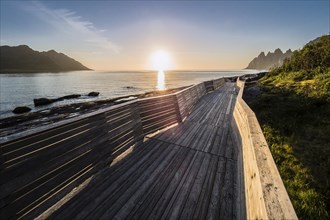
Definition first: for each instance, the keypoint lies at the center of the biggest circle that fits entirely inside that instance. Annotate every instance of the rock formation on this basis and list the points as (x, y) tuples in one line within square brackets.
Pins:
[(93, 94), (271, 60), (46, 101), (21, 109)]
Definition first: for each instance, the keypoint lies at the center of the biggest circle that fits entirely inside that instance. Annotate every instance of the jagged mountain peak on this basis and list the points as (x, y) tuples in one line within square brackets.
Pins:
[(272, 59), (289, 51), (278, 51), (262, 54)]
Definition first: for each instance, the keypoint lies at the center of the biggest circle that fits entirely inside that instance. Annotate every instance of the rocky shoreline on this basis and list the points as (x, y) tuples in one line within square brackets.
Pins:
[(23, 122)]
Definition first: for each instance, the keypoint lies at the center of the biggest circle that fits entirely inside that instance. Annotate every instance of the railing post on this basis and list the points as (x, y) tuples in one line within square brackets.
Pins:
[(177, 108), (138, 129), (209, 85)]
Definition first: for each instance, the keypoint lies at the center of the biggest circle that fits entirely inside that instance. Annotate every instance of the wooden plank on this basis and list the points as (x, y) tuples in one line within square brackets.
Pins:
[(133, 194), (16, 144), (119, 149), (160, 125), (182, 105), (117, 129), (120, 190), (34, 150), (217, 142), (121, 110), (174, 134), (190, 136), (230, 147), (114, 121), (165, 201), (211, 139), (54, 197), (171, 134), (159, 115), (221, 151), (78, 166), (213, 209), (156, 107), (29, 174), (155, 103), (183, 189), (204, 202), (226, 209), (146, 203), (113, 115), (42, 159), (17, 158), (157, 98), (152, 111), (37, 193), (192, 200), (205, 138), (170, 117), (84, 203)]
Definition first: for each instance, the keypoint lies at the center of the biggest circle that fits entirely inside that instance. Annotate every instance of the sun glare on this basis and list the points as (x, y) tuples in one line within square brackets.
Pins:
[(161, 80), (161, 60)]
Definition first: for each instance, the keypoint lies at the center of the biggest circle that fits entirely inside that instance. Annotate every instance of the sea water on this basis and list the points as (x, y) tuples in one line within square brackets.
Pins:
[(21, 89)]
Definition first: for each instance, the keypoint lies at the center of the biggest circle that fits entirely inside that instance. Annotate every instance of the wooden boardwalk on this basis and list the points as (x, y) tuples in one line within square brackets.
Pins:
[(190, 171)]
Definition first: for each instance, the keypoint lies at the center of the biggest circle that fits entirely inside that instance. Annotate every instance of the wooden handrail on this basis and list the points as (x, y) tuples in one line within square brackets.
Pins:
[(265, 194)]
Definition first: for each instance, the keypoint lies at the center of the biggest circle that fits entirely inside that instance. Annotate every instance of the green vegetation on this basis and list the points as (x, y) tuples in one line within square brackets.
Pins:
[(294, 113)]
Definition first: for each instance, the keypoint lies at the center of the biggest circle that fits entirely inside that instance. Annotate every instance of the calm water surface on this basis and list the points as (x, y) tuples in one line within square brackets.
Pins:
[(21, 89)]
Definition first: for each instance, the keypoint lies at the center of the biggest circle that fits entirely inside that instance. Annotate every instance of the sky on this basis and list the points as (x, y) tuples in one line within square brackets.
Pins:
[(197, 35)]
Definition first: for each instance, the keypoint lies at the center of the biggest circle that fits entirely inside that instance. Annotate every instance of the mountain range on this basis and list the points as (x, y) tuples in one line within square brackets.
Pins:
[(269, 61), (23, 59)]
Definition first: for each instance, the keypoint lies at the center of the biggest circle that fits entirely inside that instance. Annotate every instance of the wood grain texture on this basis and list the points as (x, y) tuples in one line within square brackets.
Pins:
[(179, 173)]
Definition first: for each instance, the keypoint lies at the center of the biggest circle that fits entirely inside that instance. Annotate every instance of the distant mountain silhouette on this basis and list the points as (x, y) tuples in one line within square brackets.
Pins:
[(22, 59), (270, 60)]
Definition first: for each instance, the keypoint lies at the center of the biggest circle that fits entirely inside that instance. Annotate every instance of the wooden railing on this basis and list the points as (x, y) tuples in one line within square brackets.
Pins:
[(40, 167), (265, 194)]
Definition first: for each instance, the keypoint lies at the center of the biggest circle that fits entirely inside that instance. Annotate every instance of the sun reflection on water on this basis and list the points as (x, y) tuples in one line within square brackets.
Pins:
[(161, 80)]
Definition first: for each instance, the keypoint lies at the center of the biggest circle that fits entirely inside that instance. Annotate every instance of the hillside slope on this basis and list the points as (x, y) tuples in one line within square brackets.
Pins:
[(22, 59), (293, 110)]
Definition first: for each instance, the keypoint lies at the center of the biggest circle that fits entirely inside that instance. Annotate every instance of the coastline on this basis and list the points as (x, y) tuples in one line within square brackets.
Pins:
[(19, 123)]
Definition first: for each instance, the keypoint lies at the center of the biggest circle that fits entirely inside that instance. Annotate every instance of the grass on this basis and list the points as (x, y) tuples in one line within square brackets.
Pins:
[(294, 116), (313, 84)]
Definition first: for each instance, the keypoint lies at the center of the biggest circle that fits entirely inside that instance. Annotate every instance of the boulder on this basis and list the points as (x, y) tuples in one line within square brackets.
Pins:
[(46, 101), (93, 94), (73, 96), (21, 109), (42, 101)]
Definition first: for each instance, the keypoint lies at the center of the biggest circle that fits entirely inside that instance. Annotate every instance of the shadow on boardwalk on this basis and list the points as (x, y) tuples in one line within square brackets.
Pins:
[(190, 171)]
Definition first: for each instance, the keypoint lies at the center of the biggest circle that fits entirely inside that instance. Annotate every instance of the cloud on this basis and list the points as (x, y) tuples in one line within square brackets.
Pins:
[(69, 22)]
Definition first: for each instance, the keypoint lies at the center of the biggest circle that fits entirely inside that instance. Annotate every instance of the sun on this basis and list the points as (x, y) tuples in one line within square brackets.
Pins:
[(160, 60)]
